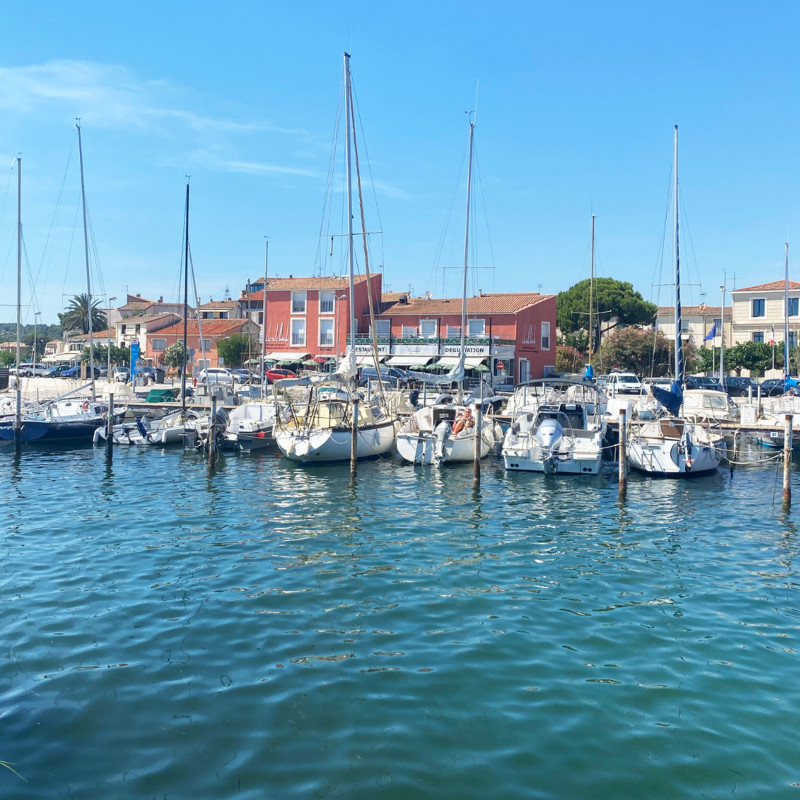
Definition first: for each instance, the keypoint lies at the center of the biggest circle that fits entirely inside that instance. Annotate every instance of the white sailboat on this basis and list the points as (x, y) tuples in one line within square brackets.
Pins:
[(432, 435), (670, 445), (335, 424)]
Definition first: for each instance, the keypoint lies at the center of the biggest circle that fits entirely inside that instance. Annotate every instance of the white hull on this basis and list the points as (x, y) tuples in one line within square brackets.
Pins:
[(660, 448), (426, 447), (318, 445), (569, 461)]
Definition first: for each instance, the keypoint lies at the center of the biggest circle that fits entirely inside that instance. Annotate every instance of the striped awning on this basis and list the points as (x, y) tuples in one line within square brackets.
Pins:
[(470, 362), (291, 356), (408, 361)]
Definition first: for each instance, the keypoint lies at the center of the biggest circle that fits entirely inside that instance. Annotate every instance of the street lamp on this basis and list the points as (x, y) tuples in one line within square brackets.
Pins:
[(37, 314), (108, 337)]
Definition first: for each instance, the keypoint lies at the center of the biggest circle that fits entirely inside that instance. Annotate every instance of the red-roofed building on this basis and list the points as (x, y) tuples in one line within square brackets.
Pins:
[(212, 331), (513, 335), (759, 313)]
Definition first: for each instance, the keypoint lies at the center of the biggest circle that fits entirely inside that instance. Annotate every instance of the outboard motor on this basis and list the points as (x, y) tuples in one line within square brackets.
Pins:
[(442, 434), (549, 434)]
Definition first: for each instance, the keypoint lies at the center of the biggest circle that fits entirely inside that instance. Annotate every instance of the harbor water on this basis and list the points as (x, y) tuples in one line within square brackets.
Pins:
[(267, 630)]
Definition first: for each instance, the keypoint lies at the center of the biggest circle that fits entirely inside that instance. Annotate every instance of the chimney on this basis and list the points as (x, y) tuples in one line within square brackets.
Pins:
[(161, 299), (480, 292)]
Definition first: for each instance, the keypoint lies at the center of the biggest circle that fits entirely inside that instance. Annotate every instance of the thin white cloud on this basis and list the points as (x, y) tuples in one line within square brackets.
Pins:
[(109, 95)]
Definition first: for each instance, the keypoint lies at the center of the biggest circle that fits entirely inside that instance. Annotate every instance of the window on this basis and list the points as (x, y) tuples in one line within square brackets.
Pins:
[(427, 328), (298, 331), (299, 303), (453, 331), (138, 327), (792, 338), (545, 336), (758, 310), (260, 317), (758, 336), (326, 333), (408, 332), (524, 370), (793, 306), (476, 327), (122, 329), (326, 301), (684, 326), (717, 323), (159, 344), (383, 327)]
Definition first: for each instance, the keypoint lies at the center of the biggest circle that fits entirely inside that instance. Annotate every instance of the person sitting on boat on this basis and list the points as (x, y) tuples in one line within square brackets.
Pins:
[(463, 421)]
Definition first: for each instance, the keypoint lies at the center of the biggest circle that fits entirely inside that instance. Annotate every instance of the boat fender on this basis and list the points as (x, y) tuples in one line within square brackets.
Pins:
[(85, 405)]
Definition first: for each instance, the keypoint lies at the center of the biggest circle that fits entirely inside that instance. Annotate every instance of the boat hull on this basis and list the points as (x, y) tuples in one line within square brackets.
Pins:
[(557, 463), (666, 458), (319, 445), (44, 431), (425, 447)]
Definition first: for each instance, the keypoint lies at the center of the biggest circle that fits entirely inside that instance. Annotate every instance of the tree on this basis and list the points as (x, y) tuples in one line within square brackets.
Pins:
[(119, 355), (644, 351), (76, 317), (569, 359), (173, 355), (234, 349), (755, 357), (614, 299)]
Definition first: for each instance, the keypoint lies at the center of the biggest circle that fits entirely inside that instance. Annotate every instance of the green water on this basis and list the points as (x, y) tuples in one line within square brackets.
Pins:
[(272, 631)]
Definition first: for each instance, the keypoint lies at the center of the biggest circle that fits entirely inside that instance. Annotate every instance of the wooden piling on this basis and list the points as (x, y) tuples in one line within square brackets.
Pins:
[(622, 454), (787, 462), (212, 430), (110, 428), (476, 466), (354, 440)]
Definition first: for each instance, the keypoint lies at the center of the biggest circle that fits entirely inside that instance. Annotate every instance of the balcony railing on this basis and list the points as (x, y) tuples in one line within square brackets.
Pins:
[(438, 340)]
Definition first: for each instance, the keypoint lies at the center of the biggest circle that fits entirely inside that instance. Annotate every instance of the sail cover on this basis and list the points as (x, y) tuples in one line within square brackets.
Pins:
[(672, 399)]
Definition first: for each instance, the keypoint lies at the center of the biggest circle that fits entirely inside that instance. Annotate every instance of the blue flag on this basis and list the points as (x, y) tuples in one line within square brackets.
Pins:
[(712, 333)]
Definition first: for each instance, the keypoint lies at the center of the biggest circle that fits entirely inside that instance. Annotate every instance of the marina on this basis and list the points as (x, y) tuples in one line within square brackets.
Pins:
[(273, 629)]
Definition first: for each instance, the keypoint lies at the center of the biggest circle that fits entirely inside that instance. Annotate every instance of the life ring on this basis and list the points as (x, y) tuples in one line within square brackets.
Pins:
[(85, 405)]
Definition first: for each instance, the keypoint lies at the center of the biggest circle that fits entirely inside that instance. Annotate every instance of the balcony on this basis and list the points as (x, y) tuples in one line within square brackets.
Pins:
[(437, 340)]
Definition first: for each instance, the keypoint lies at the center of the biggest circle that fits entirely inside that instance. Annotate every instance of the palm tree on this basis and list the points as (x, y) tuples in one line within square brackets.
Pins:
[(76, 317)]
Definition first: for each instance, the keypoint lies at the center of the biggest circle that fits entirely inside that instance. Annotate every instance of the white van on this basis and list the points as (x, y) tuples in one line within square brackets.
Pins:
[(622, 383)]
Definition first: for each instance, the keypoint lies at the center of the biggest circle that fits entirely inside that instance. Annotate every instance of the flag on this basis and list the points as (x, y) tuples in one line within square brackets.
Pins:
[(772, 338), (712, 333)]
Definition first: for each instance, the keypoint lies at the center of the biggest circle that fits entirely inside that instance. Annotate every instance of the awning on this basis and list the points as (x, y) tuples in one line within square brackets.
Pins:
[(470, 362), (323, 359), (290, 356), (367, 360), (408, 361), (62, 357)]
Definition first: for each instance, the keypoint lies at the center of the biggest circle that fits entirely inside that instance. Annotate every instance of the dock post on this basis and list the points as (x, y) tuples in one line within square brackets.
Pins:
[(212, 430), (787, 463), (354, 440), (623, 458), (476, 466), (110, 428)]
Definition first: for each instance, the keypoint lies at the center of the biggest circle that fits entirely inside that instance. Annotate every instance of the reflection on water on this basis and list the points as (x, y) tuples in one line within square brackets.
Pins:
[(267, 629)]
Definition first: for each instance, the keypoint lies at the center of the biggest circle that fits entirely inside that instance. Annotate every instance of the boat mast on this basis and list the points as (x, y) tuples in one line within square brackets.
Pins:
[(722, 335), (591, 298), (786, 314), (348, 100), (86, 252), (678, 342), (264, 323), (185, 305), (466, 260), (18, 415)]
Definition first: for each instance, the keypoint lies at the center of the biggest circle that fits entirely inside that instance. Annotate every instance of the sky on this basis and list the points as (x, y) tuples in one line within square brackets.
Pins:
[(575, 106)]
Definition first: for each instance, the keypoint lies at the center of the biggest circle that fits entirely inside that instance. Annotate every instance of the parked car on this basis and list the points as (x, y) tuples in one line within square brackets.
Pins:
[(622, 383), (29, 369), (57, 371), (738, 387), (245, 376), (75, 372), (772, 387), (702, 382), (215, 375), (153, 374), (122, 374), (278, 374), (391, 376)]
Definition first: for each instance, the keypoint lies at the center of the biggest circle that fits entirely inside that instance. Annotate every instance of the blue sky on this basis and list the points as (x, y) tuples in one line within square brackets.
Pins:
[(576, 107)]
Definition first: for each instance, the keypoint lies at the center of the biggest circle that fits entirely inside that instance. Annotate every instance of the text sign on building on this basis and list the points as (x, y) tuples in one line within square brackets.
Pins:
[(470, 349), (366, 349)]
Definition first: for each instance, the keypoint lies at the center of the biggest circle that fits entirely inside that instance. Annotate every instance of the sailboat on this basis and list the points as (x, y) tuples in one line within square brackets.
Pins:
[(334, 423), (670, 445), (437, 434), (67, 418)]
